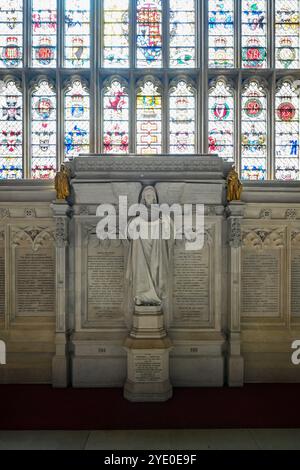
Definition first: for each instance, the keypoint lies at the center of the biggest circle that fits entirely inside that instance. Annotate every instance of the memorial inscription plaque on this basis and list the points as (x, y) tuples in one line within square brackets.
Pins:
[(261, 282), (191, 286), (148, 368), (105, 279), (35, 282), (295, 302)]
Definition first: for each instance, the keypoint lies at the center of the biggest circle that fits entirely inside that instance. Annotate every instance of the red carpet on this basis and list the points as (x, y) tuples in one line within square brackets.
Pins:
[(25, 407)]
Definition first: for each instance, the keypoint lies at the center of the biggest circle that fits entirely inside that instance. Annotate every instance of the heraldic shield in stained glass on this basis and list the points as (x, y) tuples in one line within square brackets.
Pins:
[(149, 33), (287, 34), (254, 34), (254, 131), (77, 120), (77, 33), (11, 131), (221, 118), (221, 33), (116, 118), (43, 131), (287, 131), (11, 33), (44, 33)]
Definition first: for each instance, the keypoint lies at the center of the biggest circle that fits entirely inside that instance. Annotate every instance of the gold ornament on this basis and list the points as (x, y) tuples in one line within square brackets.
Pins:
[(62, 183), (234, 186)]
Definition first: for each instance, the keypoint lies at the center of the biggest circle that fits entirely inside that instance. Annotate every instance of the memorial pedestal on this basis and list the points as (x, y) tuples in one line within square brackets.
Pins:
[(148, 348)]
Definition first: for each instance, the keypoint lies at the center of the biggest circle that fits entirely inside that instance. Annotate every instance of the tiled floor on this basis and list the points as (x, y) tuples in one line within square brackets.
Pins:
[(243, 439)]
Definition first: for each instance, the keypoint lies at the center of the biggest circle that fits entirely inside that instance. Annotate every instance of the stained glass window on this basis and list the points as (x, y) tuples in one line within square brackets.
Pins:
[(11, 130), (254, 131), (116, 33), (149, 114), (287, 131), (221, 119), (287, 34), (77, 119), (254, 33), (221, 33), (149, 33), (115, 116), (182, 118), (182, 33), (77, 33), (44, 32), (43, 131), (11, 33)]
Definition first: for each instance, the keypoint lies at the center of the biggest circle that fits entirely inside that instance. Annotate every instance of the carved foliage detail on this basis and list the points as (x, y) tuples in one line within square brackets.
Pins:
[(37, 237), (61, 232), (235, 233), (295, 238), (264, 238)]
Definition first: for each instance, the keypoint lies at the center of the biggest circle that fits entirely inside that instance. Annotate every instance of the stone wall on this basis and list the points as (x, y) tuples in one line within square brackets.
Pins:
[(234, 323)]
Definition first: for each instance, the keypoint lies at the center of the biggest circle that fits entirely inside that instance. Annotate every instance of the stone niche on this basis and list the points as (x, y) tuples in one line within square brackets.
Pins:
[(103, 308)]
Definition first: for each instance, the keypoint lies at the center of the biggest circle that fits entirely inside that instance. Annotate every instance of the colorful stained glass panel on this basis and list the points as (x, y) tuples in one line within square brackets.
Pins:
[(221, 33), (149, 133), (287, 132), (77, 33), (221, 120), (182, 119), (44, 33), (11, 131), (43, 131), (77, 120), (149, 33), (254, 132), (11, 33), (182, 33), (254, 34), (116, 132), (116, 33), (287, 34)]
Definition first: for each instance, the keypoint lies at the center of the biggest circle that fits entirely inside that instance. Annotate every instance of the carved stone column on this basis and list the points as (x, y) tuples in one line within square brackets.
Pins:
[(235, 361), (60, 364)]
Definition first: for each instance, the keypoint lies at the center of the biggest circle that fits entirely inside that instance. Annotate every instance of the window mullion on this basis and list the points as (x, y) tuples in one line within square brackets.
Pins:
[(272, 130), (27, 51), (60, 33), (132, 33), (165, 118), (238, 34), (132, 94), (165, 33), (237, 126), (95, 60), (27, 32), (60, 120), (26, 127), (204, 79), (59, 85), (271, 33)]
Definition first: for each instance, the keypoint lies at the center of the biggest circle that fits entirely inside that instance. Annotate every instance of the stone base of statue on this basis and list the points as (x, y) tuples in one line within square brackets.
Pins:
[(148, 348)]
